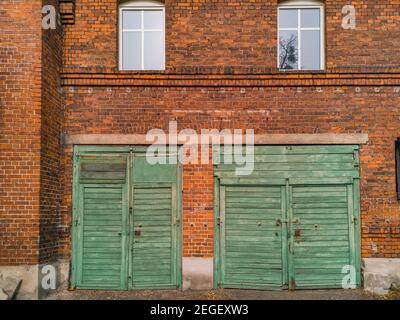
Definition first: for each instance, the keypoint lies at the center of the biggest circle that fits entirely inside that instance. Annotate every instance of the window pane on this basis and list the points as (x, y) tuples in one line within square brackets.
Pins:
[(288, 18), (131, 52), (153, 50), (153, 19), (310, 50), (288, 50), (131, 19), (310, 18)]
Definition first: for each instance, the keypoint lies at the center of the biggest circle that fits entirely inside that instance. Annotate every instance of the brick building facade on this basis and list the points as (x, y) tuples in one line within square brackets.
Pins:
[(61, 88)]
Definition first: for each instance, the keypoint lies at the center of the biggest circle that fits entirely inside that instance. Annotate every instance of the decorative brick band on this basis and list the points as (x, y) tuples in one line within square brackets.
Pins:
[(266, 80), (260, 139)]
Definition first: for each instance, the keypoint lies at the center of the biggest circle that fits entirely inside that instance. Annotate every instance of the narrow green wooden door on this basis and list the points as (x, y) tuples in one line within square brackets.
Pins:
[(155, 225), (100, 222), (251, 238), (322, 227), (126, 228)]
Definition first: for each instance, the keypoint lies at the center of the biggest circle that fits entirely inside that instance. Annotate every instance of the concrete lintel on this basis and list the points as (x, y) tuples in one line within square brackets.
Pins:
[(259, 139)]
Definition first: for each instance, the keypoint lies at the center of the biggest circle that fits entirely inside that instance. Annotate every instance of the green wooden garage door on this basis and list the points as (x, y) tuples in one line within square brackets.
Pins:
[(292, 223), (126, 220)]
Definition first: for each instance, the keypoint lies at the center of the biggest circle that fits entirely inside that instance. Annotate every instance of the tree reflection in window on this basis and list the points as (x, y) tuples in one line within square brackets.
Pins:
[(288, 55)]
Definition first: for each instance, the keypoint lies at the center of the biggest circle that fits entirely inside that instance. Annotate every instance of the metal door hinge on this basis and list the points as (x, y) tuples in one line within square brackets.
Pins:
[(176, 222), (219, 222)]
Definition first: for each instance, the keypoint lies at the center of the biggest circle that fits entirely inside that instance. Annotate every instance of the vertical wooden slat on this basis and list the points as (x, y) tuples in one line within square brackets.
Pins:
[(284, 226), (125, 234), (292, 280), (178, 237), (350, 213), (357, 231), (223, 231), (75, 215), (217, 235), (175, 224), (79, 244), (130, 219)]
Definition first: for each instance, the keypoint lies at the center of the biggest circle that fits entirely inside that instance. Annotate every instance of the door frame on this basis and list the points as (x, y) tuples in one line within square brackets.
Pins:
[(79, 150)]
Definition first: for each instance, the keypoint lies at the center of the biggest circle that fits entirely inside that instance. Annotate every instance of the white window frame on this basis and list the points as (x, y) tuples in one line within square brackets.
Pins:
[(303, 5), (140, 6)]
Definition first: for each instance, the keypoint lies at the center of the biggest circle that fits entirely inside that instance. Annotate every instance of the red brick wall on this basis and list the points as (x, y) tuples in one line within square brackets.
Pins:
[(20, 95), (30, 121), (51, 119), (198, 188), (234, 36), (266, 110), (372, 44)]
